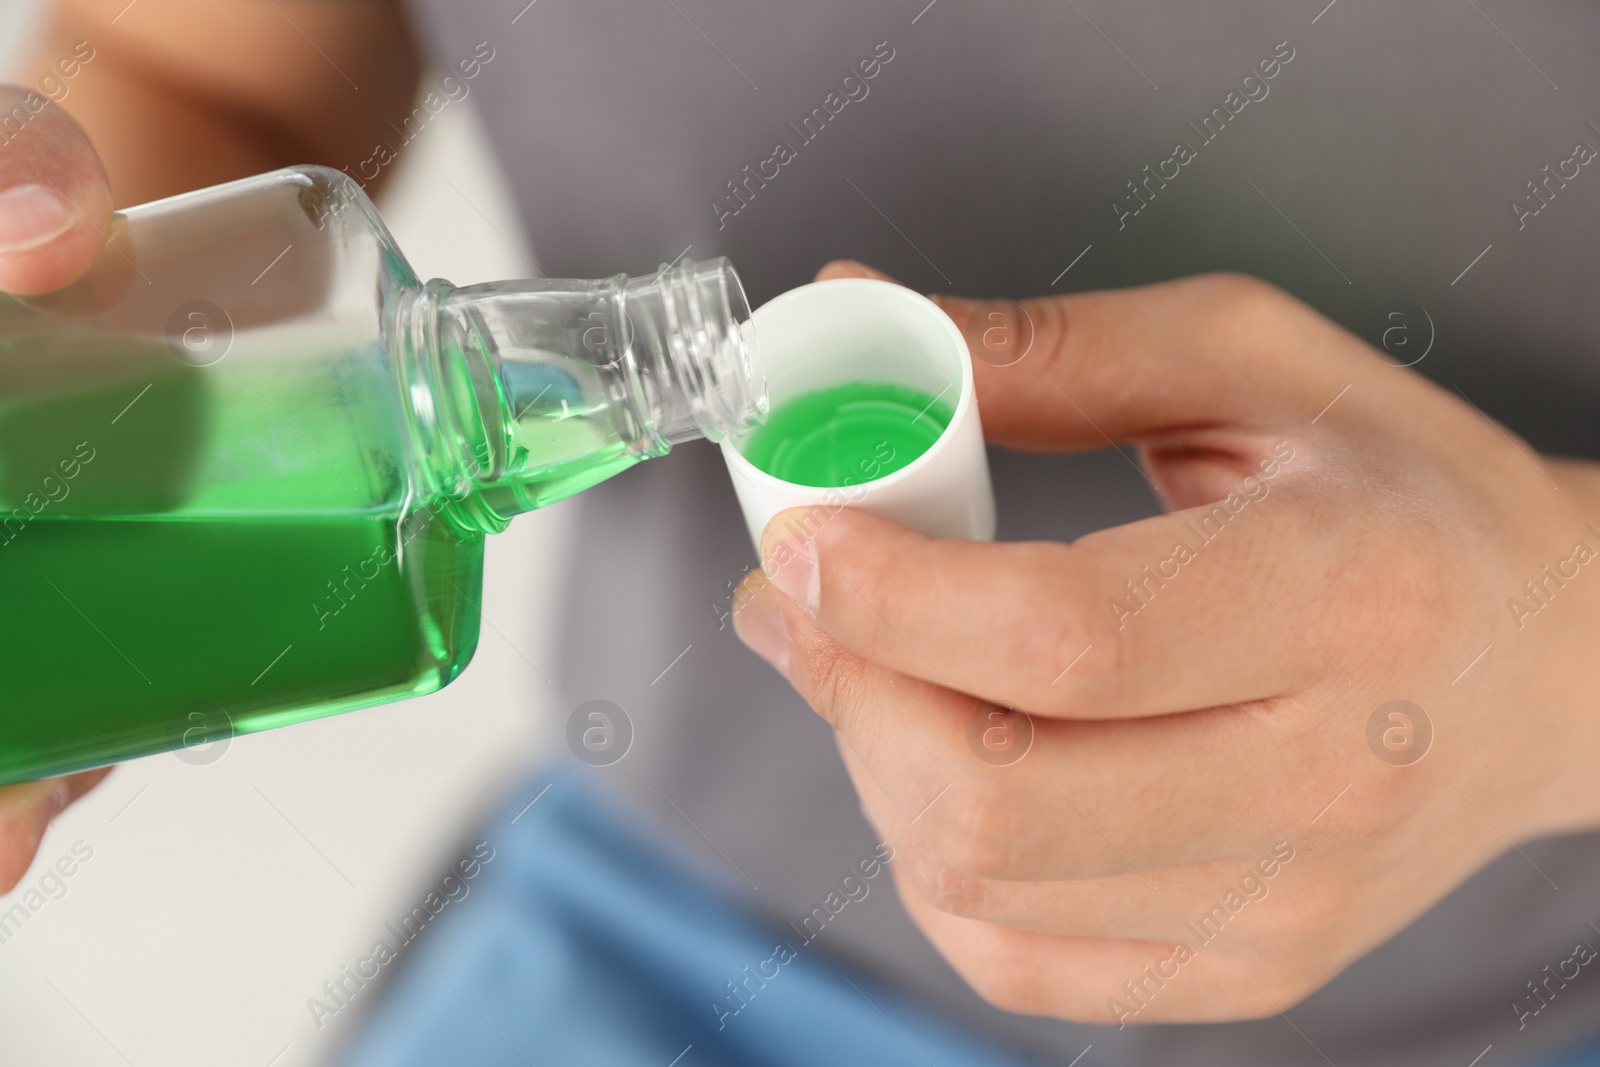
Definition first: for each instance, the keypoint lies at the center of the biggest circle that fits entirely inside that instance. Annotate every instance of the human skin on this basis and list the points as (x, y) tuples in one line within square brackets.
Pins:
[(1176, 745), (179, 94)]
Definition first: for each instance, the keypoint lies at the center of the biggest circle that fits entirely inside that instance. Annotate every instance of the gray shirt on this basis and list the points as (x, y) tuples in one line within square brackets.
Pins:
[(992, 147)]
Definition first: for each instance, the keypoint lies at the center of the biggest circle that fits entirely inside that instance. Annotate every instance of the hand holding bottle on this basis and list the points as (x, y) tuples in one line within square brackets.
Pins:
[(55, 203)]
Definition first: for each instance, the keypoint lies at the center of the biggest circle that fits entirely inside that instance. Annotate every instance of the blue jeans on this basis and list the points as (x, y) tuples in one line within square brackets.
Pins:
[(578, 941)]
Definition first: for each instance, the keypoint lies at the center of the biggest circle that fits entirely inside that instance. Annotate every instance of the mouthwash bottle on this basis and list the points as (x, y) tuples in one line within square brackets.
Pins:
[(247, 464)]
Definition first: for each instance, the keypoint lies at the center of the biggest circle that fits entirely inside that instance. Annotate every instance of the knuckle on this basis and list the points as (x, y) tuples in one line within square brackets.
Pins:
[(1256, 987), (1230, 291), (1280, 991), (1053, 335), (999, 332), (1081, 632), (1313, 913), (943, 887), (1309, 926), (1060, 637), (1242, 308), (1005, 980), (976, 834), (832, 683), (1007, 993)]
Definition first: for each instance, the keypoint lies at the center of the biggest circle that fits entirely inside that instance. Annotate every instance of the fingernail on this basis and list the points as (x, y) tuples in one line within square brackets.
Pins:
[(31, 216), (760, 625), (790, 560)]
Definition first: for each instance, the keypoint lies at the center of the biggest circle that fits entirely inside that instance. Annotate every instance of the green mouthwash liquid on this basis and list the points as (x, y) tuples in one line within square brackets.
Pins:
[(847, 434), (182, 559), (141, 632)]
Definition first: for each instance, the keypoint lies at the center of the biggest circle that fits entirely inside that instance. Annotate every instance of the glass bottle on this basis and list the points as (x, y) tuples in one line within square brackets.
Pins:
[(248, 462)]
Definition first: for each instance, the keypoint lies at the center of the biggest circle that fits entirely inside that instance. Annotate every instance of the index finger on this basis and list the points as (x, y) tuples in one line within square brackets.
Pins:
[(1086, 370)]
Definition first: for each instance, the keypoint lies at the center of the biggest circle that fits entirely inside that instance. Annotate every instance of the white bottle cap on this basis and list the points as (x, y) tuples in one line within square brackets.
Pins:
[(863, 330)]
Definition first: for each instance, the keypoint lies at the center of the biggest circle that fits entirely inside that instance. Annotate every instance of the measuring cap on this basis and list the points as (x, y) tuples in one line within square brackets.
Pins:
[(861, 330)]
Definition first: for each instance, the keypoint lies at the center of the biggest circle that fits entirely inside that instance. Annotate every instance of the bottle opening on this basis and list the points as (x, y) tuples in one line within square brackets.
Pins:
[(699, 361)]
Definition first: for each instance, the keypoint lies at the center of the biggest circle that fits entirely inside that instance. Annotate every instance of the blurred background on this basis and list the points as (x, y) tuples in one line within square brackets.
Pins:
[(221, 896)]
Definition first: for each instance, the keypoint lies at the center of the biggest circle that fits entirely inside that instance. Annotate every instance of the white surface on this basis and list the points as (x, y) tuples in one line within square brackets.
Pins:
[(860, 329), (219, 898)]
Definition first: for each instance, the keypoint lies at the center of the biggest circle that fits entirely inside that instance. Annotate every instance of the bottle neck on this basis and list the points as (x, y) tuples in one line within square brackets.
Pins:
[(522, 393)]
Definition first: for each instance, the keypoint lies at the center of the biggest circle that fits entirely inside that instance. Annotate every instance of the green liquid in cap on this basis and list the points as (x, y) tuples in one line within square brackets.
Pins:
[(847, 434)]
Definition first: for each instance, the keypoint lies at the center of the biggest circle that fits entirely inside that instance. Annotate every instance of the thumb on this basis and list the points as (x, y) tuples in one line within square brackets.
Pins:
[(55, 198)]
